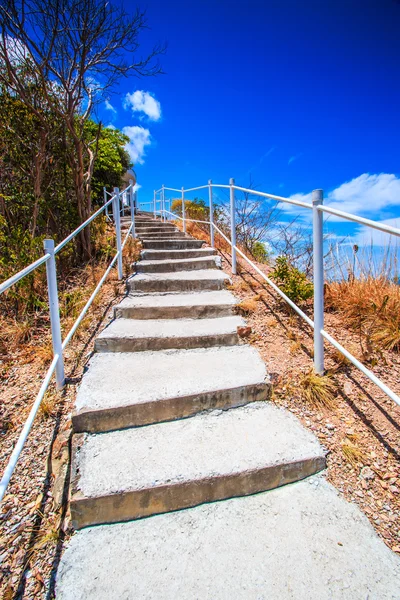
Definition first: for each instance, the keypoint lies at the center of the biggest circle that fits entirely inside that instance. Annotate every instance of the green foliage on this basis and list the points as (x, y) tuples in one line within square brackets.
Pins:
[(291, 281), (260, 252), (37, 196), (112, 159)]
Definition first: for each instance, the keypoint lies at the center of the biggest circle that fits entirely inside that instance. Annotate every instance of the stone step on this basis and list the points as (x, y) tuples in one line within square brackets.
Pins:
[(181, 281), (302, 541), (142, 471), (168, 244), (155, 229), (171, 235), (132, 389), (180, 264), (176, 254), (131, 335), (176, 306)]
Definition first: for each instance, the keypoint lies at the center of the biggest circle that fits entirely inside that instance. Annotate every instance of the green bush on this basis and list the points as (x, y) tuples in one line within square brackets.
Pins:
[(291, 281), (260, 252)]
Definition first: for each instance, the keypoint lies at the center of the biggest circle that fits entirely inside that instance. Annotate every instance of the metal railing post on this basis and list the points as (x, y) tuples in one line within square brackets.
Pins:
[(52, 292), (183, 210), (162, 203), (155, 204), (233, 225), (117, 222), (211, 209), (105, 199), (132, 203), (318, 276)]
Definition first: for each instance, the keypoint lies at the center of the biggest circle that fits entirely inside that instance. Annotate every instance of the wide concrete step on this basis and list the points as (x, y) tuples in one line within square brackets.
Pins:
[(176, 254), (181, 281), (171, 235), (131, 335), (180, 264), (176, 306), (159, 229), (174, 244), (131, 389), (297, 542), (137, 472)]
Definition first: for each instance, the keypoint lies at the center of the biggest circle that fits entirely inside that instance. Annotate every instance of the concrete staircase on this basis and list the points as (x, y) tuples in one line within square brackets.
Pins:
[(173, 413)]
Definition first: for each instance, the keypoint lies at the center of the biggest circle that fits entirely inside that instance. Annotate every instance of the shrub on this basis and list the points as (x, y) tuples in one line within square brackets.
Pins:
[(291, 280), (260, 252)]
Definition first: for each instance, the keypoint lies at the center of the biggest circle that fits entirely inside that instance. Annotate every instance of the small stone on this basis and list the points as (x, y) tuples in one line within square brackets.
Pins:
[(367, 473), (394, 489), (330, 426)]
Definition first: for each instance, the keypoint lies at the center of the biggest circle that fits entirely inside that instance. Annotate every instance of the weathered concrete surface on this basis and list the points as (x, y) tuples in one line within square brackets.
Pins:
[(131, 335), (137, 472), (171, 235), (180, 264), (114, 393), (178, 244), (179, 306), (299, 542), (184, 281), (174, 254)]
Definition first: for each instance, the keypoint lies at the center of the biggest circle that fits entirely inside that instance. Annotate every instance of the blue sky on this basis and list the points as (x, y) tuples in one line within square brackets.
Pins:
[(297, 94)]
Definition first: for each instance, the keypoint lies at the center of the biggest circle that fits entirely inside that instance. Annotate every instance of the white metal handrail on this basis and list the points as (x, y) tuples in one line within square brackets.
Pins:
[(318, 272), (57, 364)]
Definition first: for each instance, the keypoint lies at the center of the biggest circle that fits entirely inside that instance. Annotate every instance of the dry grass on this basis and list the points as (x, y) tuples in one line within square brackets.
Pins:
[(316, 390), (351, 452), (370, 305), (248, 305), (294, 347), (48, 406)]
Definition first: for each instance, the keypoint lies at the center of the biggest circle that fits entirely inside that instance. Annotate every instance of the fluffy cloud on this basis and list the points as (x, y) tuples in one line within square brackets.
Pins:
[(139, 138), (365, 195), (144, 102)]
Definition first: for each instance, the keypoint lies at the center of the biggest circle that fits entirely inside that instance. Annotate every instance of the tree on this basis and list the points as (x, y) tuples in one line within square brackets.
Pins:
[(74, 51)]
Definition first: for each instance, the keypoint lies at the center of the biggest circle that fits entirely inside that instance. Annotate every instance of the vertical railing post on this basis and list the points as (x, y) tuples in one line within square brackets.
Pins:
[(54, 311), (211, 209), (117, 222), (318, 269), (132, 203), (155, 204), (183, 210), (162, 203), (105, 200), (233, 225)]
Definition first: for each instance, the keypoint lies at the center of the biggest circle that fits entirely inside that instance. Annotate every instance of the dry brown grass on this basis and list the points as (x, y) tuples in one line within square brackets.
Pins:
[(294, 347), (248, 305), (351, 452), (48, 406), (316, 390), (370, 305)]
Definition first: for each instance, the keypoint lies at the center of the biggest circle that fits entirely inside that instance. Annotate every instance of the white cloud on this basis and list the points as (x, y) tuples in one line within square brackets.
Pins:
[(109, 106), (141, 101), (366, 236), (368, 195), (110, 126), (139, 138)]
